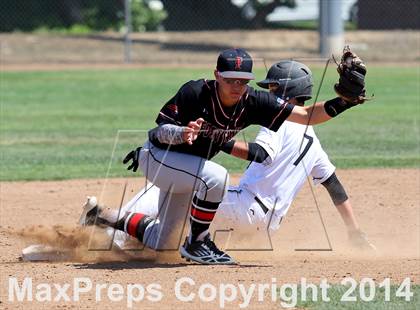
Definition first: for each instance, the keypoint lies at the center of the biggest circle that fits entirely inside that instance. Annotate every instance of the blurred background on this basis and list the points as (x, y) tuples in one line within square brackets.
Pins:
[(112, 32)]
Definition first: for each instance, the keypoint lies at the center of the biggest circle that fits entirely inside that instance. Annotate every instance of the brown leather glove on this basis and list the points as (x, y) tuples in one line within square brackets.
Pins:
[(352, 71)]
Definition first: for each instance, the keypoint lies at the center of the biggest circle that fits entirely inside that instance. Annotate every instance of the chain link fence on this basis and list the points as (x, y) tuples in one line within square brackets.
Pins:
[(192, 32)]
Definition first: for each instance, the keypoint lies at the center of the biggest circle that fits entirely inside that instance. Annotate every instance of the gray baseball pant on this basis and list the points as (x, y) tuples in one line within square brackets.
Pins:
[(179, 177)]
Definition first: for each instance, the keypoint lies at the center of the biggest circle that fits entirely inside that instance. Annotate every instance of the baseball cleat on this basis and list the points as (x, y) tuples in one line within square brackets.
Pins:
[(205, 252), (90, 212)]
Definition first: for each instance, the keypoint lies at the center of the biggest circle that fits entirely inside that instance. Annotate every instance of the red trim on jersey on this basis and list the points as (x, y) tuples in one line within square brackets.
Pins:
[(230, 118), (239, 116), (207, 84), (168, 117), (201, 215), (218, 101), (133, 223), (214, 106), (173, 108), (214, 113)]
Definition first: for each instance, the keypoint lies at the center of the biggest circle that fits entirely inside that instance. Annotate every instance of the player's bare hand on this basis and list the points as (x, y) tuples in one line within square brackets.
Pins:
[(191, 132), (359, 240)]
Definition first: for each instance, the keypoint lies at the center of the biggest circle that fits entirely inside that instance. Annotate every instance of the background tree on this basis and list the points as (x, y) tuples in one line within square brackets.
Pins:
[(220, 14), (98, 15)]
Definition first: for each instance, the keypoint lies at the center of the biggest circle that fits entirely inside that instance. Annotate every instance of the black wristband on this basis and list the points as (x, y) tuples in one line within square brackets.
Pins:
[(336, 106), (228, 147)]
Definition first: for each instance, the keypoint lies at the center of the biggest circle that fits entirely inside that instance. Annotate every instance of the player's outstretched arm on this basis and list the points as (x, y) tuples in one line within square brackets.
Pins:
[(350, 90), (319, 112), (356, 236), (310, 115), (342, 203)]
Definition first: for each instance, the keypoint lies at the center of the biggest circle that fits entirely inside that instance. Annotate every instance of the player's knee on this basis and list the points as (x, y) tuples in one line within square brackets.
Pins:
[(217, 180)]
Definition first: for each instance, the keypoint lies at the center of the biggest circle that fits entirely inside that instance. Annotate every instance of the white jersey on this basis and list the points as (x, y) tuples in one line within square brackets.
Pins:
[(277, 181)]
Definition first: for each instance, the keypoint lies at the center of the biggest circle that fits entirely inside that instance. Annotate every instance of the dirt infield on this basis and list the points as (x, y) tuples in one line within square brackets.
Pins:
[(386, 202)]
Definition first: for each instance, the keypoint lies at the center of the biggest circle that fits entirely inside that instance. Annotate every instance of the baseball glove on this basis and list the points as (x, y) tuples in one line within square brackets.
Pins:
[(352, 71)]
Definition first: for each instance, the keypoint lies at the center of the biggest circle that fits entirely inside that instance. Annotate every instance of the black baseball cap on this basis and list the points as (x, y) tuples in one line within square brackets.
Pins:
[(235, 63)]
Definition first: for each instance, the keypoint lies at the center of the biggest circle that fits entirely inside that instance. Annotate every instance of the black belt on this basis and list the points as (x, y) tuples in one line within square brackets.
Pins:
[(261, 204)]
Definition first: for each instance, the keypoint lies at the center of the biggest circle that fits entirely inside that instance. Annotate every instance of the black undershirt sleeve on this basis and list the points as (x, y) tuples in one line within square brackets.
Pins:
[(255, 151), (335, 189), (228, 147)]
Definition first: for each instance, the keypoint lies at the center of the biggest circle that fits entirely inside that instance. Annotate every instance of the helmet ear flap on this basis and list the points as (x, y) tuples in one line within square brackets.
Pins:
[(281, 92), (296, 88), (301, 100), (294, 80)]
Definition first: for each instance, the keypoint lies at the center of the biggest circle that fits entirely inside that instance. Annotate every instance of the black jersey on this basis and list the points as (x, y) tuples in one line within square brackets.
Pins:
[(197, 99)]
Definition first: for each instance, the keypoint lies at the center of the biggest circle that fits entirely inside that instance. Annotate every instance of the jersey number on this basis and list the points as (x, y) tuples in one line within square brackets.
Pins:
[(310, 141)]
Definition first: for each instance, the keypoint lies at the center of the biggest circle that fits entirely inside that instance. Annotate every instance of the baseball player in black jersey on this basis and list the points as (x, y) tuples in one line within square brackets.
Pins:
[(192, 128)]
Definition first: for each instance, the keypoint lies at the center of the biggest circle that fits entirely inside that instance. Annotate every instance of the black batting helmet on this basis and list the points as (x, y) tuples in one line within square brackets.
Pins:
[(294, 80)]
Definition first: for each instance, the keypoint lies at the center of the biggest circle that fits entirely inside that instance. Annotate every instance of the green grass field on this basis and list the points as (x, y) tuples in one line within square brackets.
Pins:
[(61, 125), (379, 300)]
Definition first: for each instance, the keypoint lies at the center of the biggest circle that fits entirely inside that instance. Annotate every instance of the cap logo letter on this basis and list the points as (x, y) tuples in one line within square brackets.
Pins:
[(238, 63)]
